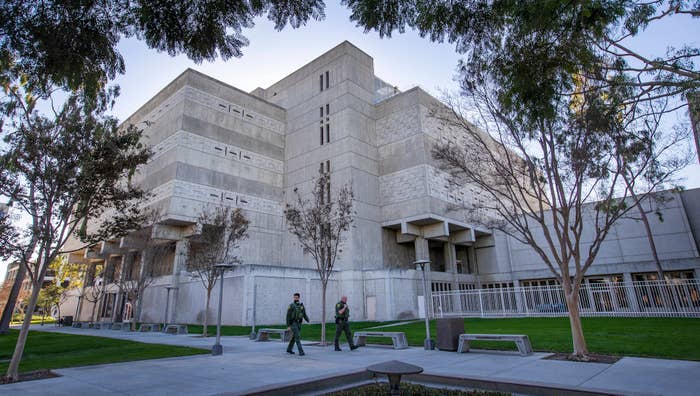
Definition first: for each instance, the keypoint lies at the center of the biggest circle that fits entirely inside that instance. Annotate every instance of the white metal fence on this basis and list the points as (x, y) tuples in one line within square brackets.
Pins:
[(674, 298)]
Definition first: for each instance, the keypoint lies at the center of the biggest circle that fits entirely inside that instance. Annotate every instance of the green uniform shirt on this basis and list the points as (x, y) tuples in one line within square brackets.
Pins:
[(346, 314), (296, 313)]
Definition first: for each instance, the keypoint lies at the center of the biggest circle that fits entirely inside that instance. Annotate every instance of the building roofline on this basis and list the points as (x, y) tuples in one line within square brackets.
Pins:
[(344, 42), (184, 74)]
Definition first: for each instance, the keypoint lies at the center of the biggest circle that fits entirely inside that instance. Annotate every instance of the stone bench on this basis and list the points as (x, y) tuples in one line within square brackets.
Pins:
[(117, 326), (175, 329), (102, 325), (398, 338), (149, 327), (264, 334), (522, 341)]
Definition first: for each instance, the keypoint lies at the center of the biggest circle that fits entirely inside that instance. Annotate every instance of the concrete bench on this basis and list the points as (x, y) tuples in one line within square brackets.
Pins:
[(102, 325), (117, 326), (264, 334), (175, 329), (149, 327), (398, 338), (522, 341)]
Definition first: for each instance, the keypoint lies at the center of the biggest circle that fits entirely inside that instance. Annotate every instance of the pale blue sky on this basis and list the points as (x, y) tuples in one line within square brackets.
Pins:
[(404, 60)]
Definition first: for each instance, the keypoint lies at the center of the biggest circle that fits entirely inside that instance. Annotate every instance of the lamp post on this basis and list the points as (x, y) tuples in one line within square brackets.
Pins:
[(217, 349), (428, 344), (167, 305)]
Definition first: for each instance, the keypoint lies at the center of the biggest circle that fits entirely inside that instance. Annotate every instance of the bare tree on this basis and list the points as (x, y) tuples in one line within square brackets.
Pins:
[(95, 287), (150, 267), (222, 229), (319, 224), (140, 272), (556, 184)]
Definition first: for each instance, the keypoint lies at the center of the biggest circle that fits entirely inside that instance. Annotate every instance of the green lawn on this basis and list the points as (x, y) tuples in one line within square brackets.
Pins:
[(53, 350), (676, 338), (36, 319)]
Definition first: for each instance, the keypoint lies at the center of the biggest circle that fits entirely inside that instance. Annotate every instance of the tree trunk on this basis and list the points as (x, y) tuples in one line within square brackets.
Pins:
[(579, 341), (94, 308), (13, 368), (323, 314), (650, 238), (205, 322), (12, 300), (137, 311)]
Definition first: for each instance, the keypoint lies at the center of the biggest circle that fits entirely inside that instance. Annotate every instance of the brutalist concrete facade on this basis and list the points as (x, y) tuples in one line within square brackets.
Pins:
[(214, 143)]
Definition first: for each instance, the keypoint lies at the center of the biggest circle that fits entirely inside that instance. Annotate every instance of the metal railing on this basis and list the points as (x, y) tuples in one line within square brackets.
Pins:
[(672, 298)]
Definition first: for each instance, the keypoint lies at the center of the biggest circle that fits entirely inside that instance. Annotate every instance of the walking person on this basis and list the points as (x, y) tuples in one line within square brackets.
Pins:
[(295, 314), (342, 323)]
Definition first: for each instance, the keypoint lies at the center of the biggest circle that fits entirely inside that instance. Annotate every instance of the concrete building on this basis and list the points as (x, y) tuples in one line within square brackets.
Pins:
[(214, 143)]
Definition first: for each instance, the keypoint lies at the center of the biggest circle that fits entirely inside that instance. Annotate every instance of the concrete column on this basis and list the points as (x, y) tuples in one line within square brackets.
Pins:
[(471, 251), (423, 253), (519, 303), (81, 296), (182, 249), (629, 293), (110, 264), (124, 267), (451, 266)]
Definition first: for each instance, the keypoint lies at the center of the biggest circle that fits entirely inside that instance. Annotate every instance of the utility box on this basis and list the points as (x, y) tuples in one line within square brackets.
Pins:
[(448, 331)]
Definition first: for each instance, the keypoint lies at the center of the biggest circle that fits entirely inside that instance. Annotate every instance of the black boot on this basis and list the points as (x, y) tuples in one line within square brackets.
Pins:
[(290, 352)]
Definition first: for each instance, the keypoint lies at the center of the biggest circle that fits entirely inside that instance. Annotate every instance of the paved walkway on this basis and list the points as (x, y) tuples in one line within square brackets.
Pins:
[(246, 365)]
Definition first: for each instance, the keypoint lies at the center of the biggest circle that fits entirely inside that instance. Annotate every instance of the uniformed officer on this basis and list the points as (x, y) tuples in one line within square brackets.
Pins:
[(342, 317), (295, 314)]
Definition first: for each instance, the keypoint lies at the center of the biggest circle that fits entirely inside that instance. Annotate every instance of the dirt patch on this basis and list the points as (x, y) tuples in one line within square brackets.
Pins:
[(31, 376), (592, 358)]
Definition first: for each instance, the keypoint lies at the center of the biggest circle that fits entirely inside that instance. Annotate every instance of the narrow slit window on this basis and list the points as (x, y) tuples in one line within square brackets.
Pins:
[(327, 79), (320, 81), (328, 133), (321, 135), (328, 185)]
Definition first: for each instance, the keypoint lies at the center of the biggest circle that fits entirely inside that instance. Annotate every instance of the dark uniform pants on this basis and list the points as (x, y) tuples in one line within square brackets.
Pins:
[(342, 325), (296, 337)]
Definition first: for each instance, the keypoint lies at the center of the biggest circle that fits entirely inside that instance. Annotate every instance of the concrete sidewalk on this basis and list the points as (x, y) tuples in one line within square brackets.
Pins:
[(247, 365)]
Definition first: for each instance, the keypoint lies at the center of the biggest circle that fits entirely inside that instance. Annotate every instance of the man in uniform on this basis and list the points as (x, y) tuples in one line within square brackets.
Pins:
[(342, 316), (295, 314)]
